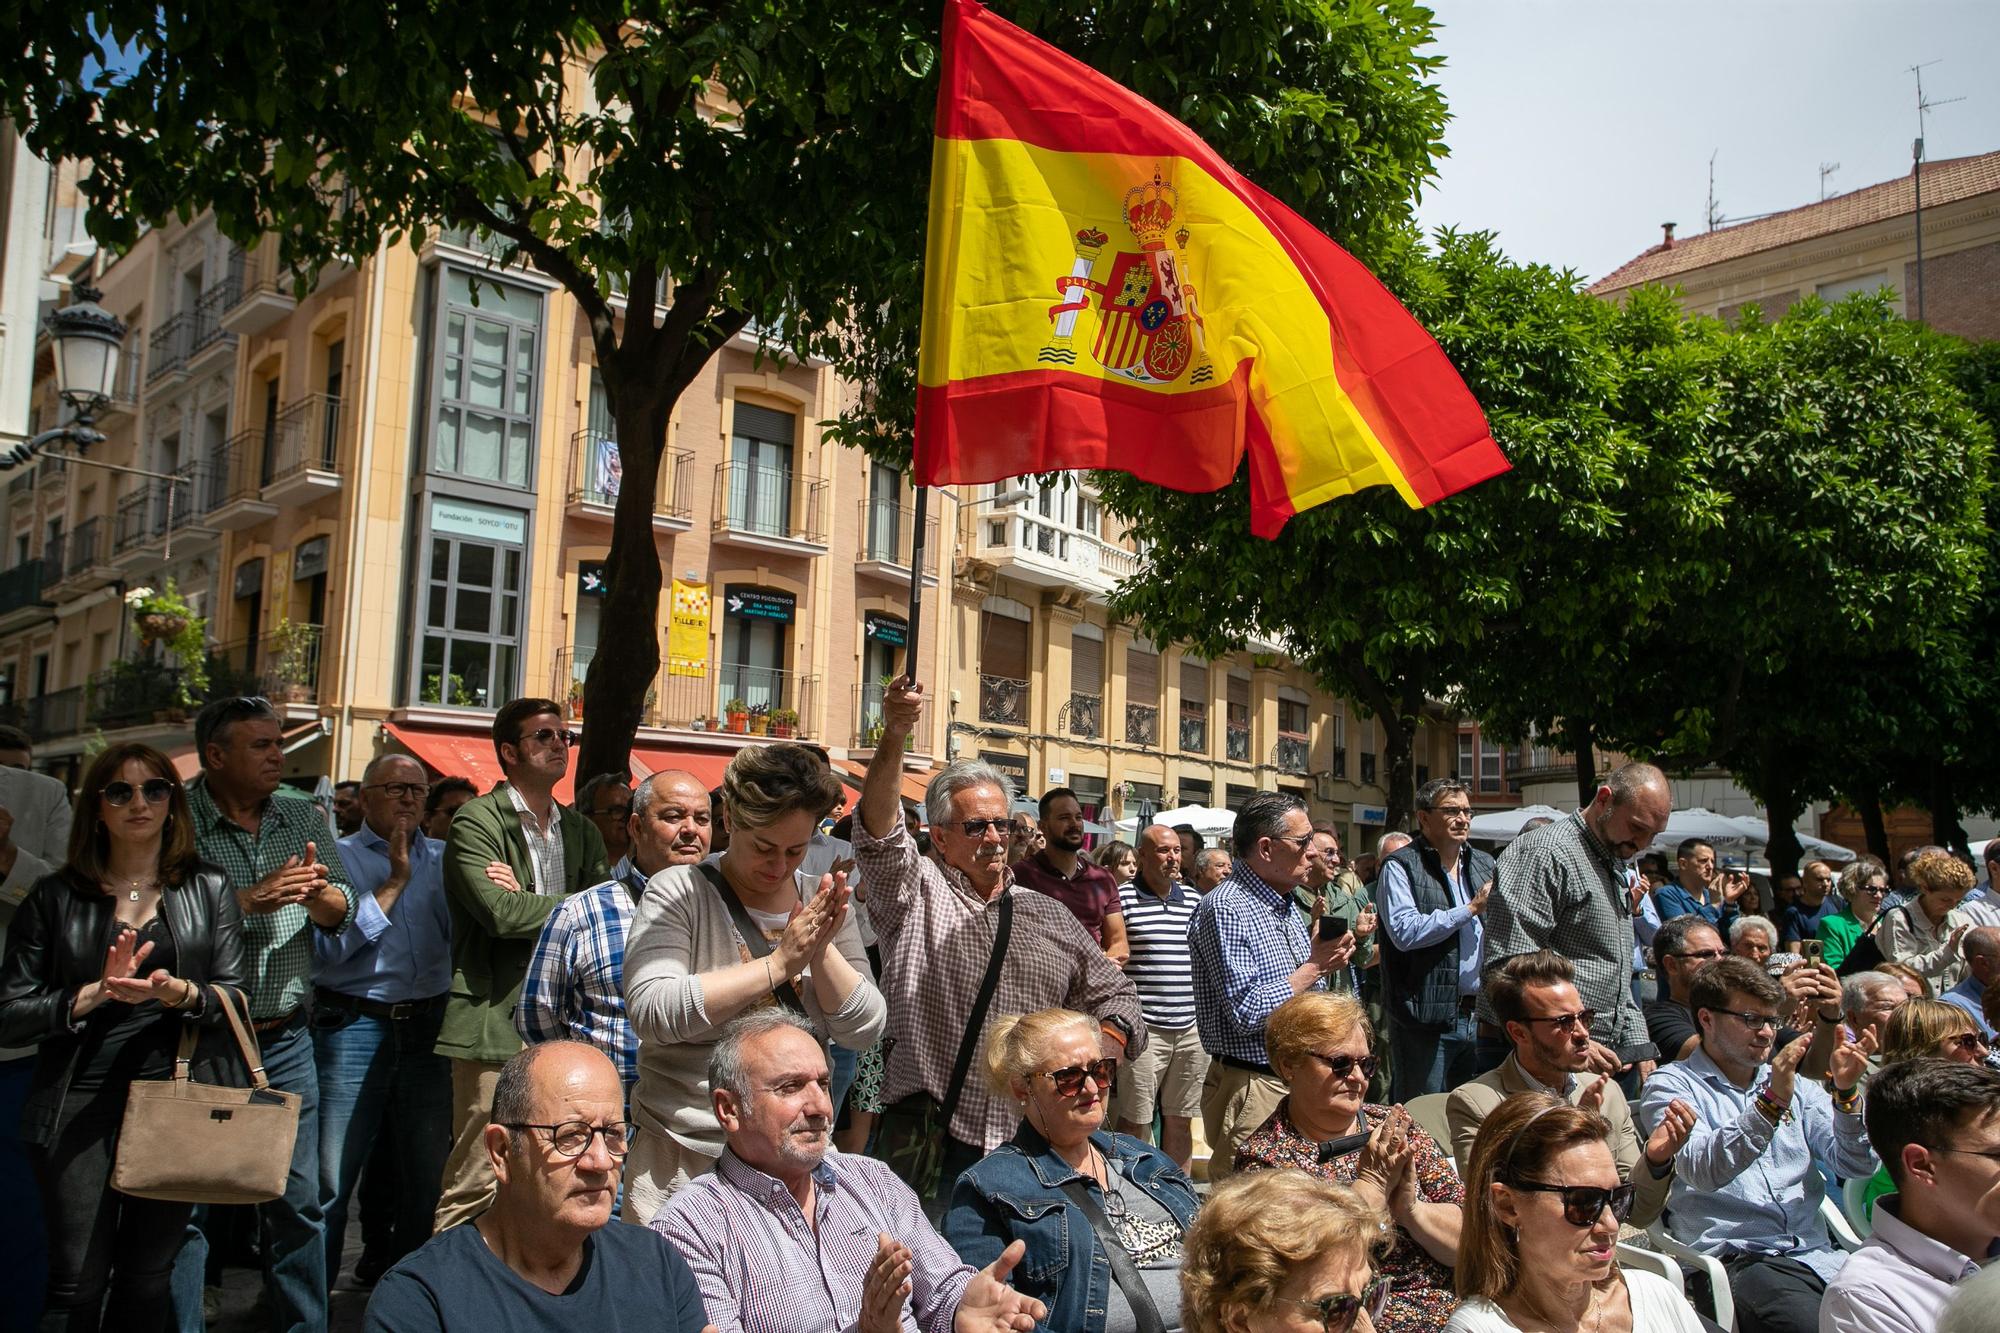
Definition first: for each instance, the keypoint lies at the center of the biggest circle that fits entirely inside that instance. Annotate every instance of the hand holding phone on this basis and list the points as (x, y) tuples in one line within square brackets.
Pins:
[(1332, 927)]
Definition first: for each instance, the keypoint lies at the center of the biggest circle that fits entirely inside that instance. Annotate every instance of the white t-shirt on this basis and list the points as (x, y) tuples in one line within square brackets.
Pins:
[(1657, 1307)]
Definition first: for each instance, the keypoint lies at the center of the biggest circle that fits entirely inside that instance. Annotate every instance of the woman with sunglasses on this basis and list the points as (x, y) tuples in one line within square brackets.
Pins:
[(1320, 1046), (1863, 885), (1922, 1029), (1283, 1252), (1063, 1176), (1541, 1230), (109, 960)]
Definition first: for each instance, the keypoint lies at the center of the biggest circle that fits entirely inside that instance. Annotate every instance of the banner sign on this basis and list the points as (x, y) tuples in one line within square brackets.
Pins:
[(590, 580), (760, 603), (892, 631), (687, 630), (488, 523)]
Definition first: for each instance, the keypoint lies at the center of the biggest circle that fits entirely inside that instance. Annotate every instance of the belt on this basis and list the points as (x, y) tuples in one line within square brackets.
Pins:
[(283, 1020), (367, 1008), (1250, 1066)]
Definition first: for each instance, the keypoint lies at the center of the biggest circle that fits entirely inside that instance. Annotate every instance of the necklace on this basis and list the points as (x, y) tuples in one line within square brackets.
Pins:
[(133, 886)]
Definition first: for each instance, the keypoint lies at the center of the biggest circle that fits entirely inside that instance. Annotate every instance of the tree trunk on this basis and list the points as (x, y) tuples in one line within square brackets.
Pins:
[(1946, 831), (1584, 736), (1782, 807), (1401, 780), (1875, 830)]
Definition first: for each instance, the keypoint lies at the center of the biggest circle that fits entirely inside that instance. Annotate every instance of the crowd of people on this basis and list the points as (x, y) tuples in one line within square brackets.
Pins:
[(749, 1061)]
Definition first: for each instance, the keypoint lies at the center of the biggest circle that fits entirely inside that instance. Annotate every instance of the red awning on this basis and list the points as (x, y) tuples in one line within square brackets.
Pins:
[(451, 752), (914, 784), (187, 763), (706, 765)]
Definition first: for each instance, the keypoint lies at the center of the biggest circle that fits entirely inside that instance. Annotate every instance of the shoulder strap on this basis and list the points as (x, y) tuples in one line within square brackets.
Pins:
[(976, 1023), (1124, 1272), (753, 937)]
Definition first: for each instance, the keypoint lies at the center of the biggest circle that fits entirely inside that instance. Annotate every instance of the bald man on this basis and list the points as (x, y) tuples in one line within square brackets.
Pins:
[(541, 1258), (1981, 947)]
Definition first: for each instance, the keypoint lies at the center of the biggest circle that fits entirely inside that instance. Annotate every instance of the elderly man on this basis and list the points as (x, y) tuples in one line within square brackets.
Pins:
[(378, 996), (513, 854), (1981, 947), (1253, 951), (1332, 890), (1867, 999), (575, 984), (1211, 867), (1060, 870), (541, 1259), (961, 941), (1168, 1074), (1432, 894), (840, 1242), (1535, 996), (1566, 886), (1701, 891)]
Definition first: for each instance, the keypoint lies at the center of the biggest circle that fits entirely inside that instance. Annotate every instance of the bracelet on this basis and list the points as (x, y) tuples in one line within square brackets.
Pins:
[(1848, 1102), (1773, 1111), (1824, 1017), (769, 984)]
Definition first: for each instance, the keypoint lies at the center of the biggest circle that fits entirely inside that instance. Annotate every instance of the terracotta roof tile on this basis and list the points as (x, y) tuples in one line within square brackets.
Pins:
[(1944, 182)]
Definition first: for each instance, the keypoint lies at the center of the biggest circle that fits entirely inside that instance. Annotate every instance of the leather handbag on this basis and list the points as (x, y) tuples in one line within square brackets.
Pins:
[(192, 1142)]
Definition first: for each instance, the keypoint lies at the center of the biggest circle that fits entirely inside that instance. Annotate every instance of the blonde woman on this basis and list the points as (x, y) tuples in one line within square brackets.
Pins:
[(1923, 1029), (1923, 933), (1543, 1205), (1284, 1252), (739, 930), (1052, 1064)]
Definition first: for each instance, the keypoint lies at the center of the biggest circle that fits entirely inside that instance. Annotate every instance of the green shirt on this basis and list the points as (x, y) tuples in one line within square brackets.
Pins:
[(1838, 935), (1347, 898), (277, 946)]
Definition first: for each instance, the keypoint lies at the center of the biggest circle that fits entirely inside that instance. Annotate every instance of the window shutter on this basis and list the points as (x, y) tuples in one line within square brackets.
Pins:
[(1086, 665)]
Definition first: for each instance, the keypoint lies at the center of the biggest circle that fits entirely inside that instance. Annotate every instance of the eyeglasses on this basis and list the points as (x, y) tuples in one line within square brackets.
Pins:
[(1453, 812), (979, 828), (1069, 1082), (118, 795), (1584, 1204), (612, 812), (1301, 842), (1564, 1022), (1336, 1313), (1755, 1022), (1340, 1066), (402, 791), (572, 1137), (550, 735), (1705, 955), (1992, 1154), (1966, 1041)]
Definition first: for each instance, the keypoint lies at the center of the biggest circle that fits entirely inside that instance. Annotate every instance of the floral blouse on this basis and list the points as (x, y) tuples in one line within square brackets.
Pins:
[(1421, 1298)]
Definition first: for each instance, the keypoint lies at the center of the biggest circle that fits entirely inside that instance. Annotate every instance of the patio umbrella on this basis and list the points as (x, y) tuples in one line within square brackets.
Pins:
[(1207, 821), (1505, 825), (1757, 832)]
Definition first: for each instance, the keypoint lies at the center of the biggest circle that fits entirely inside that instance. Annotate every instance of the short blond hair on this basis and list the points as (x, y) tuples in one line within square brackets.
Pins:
[(1311, 1022), (1018, 1042), (1257, 1230), (1941, 872), (764, 783), (1919, 1027)]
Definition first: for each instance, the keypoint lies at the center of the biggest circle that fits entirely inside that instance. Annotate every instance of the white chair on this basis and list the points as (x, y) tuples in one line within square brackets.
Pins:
[(1850, 1203), (1836, 1223), (1429, 1113), (1651, 1261), (1707, 1265)]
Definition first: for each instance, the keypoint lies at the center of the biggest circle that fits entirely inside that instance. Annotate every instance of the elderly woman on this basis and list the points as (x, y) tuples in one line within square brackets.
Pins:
[(1923, 933), (1753, 937), (1544, 1204), (1284, 1252), (110, 961), (1320, 1046), (1064, 1177), (713, 940), (1863, 885)]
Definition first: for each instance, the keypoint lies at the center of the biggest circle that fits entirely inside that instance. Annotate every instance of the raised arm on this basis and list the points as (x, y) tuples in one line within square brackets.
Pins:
[(881, 792)]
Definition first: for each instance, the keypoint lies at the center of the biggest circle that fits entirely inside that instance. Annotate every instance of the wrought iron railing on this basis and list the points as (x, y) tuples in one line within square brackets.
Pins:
[(168, 348), (1236, 742), (769, 502), (1194, 732), (1142, 724), (1082, 716), (1003, 699), (596, 473), (307, 438), (1292, 753), (21, 586)]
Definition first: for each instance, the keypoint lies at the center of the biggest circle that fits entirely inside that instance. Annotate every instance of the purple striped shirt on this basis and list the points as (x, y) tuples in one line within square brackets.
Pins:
[(764, 1269)]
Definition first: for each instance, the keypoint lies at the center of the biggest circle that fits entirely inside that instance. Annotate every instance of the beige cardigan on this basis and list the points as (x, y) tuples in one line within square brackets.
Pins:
[(680, 930)]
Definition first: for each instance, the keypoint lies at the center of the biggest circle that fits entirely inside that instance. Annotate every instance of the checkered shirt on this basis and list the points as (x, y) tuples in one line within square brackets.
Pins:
[(1247, 940), (545, 850), (575, 987)]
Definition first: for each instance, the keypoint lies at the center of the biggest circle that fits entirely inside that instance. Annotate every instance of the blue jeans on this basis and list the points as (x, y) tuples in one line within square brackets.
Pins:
[(846, 1064), (376, 1075), (290, 1230), (24, 1259), (1432, 1059)]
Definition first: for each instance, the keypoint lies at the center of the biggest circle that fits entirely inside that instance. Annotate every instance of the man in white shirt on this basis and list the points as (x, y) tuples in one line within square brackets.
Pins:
[(1936, 1126)]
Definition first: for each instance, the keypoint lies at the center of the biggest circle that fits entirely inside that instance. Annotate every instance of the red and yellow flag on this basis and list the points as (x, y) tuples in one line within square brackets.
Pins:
[(1103, 291)]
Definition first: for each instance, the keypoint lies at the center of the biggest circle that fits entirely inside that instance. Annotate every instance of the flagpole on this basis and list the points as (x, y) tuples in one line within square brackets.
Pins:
[(916, 586)]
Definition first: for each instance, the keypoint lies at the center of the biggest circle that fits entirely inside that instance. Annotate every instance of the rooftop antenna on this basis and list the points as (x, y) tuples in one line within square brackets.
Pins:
[(1826, 169), (1917, 172), (1714, 213)]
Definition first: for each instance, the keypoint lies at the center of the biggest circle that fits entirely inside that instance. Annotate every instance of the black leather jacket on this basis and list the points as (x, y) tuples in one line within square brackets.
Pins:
[(56, 946)]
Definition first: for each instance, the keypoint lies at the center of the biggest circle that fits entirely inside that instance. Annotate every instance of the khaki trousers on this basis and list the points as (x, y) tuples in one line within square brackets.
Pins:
[(1234, 1102), (468, 1171)]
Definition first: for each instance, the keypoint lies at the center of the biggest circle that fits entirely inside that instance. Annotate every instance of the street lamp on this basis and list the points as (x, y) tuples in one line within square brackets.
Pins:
[(88, 339)]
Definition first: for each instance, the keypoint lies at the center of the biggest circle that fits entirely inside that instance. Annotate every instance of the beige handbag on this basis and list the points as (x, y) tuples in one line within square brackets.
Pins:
[(202, 1143)]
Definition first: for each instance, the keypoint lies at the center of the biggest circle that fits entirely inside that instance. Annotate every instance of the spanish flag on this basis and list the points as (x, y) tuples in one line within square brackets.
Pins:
[(1103, 291)]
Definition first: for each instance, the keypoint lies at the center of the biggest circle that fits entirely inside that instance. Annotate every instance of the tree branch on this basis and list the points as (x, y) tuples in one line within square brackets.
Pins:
[(549, 258)]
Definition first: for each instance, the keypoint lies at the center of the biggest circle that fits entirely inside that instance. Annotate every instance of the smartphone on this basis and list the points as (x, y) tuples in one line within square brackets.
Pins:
[(1332, 927), (1780, 963), (1812, 950)]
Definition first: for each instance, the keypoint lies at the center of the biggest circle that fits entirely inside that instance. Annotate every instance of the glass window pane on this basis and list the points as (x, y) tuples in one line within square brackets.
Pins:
[(510, 618), (431, 688), (480, 455), (517, 453), (524, 352), (474, 611), (506, 673), (435, 619), (454, 332), (440, 558), (487, 386), (447, 440), (524, 391), (489, 343), (454, 378), (475, 565), (511, 580), (471, 663)]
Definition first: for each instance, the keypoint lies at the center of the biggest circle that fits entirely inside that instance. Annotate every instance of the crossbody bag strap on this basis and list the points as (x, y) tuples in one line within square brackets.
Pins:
[(976, 1024), (1124, 1272), (753, 935)]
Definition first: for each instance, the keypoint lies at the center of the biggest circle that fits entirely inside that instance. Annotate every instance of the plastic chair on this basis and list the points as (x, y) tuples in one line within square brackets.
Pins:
[(1850, 1204), (1428, 1112), (1651, 1261), (1707, 1265), (1837, 1225)]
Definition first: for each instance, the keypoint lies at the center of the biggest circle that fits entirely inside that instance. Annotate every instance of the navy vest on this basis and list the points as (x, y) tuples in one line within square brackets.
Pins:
[(1421, 985)]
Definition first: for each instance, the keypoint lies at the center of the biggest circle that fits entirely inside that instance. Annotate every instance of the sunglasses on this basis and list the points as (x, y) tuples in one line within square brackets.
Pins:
[(979, 828), (1336, 1313), (1565, 1022), (1069, 1082), (550, 735), (1340, 1066), (1966, 1041), (118, 795), (1584, 1204)]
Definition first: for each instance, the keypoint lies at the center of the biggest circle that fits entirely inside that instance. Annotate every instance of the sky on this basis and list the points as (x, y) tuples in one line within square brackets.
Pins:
[(1579, 126)]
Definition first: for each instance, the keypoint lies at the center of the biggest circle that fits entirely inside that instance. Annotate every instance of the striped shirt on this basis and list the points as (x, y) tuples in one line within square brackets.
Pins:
[(1246, 941), (1160, 967), (763, 1268), (545, 847), (575, 986)]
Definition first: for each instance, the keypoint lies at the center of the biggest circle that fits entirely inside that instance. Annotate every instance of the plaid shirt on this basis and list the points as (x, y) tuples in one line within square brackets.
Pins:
[(545, 849), (936, 935), (1247, 941), (1558, 887), (575, 986), (277, 946)]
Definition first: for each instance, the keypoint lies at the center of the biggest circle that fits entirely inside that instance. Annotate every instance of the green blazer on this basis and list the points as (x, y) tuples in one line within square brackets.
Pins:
[(493, 931)]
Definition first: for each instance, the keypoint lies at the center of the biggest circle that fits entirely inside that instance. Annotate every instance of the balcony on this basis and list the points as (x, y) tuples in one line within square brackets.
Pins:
[(1039, 551), (1004, 700), (124, 398), (51, 474), (1082, 717), (1194, 732), (282, 665), (262, 291), (233, 492), (1236, 742), (1142, 724), (769, 509), (167, 352), (209, 341), (299, 465), (53, 715), (133, 692), (888, 538), (594, 476), (1292, 753), (868, 701), (82, 557), (698, 703), (21, 601)]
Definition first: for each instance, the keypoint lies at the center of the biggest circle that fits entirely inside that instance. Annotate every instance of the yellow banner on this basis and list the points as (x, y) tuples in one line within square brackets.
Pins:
[(687, 630)]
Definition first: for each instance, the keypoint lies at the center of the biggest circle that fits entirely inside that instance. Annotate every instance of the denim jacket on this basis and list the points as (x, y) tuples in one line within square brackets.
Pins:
[(1013, 1193)]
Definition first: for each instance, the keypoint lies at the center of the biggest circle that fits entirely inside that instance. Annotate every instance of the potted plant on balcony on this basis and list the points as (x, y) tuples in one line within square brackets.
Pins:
[(576, 701), (760, 719), (166, 619), (783, 722), (292, 661), (736, 714)]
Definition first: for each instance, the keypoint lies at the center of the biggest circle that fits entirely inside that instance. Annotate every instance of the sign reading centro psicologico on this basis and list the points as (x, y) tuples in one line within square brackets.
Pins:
[(892, 631), (488, 523), (759, 603)]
